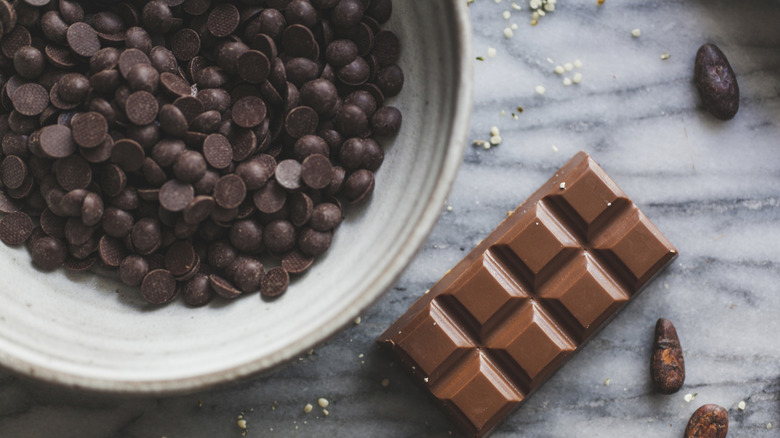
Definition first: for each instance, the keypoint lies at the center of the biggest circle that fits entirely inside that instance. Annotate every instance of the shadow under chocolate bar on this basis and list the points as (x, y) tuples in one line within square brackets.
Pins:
[(507, 316)]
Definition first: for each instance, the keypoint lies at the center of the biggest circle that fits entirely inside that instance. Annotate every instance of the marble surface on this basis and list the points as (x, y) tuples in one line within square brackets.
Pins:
[(712, 187)]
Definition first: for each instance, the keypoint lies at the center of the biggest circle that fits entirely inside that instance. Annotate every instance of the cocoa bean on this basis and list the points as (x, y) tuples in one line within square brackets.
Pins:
[(709, 421), (716, 82), (667, 367)]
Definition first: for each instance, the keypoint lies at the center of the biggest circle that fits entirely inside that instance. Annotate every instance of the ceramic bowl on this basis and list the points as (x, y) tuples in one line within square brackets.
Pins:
[(89, 331)]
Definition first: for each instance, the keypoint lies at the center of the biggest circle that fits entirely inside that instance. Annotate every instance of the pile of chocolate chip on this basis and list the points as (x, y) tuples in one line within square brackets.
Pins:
[(185, 143)]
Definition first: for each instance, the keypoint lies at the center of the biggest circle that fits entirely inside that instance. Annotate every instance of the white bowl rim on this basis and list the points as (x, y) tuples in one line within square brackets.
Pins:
[(446, 178)]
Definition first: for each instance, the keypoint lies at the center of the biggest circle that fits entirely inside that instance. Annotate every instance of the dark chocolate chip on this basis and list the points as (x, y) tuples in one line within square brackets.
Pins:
[(301, 207), (176, 196), (223, 287), (158, 287), (56, 141), (221, 254), (133, 269), (190, 166), (274, 282), (48, 253), (247, 236), (15, 228), (111, 251), (254, 67), (359, 185), (316, 171), (13, 171), (197, 291), (198, 210), (247, 274), (141, 108), (223, 20), (301, 121), (325, 217), (296, 262), (30, 99), (229, 191), (180, 258), (249, 112), (386, 121), (217, 151), (89, 129), (288, 174), (128, 155), (29, 62), (146, 236), (390, 80), (83, 39), (321, 95), (257, 171)]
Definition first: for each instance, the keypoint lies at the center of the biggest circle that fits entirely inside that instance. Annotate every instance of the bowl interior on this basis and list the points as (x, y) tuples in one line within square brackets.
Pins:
[(89, 331)]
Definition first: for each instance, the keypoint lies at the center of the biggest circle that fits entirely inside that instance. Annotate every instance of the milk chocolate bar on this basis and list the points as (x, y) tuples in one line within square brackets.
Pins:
[(504, 319)]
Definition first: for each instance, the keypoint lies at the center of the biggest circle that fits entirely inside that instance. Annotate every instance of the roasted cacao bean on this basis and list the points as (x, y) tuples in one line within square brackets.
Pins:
[(716, 82), (667, 366), (709, 421)]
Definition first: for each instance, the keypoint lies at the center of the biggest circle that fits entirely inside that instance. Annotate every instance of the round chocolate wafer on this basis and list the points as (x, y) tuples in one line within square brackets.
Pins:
[(229, 191), (198, 210), (73, 172), (56, 141), (316, 171), (158, 287), (128, 155), (80, 265), (274, 282), (176, 195), (83, 40), (13, 171), (223, 20), (270, 198), (301, 121), (175, 84), (30, 99), (111, 251), (89, 129), (295, 262), (197, 291), (190, 106), (217, 151), (180, 258), (141, 108), (15, 228), (248, 112), (223, 287), (254, 67), (92, 209), (288, 174), (298, 41), (14, 40), (133, 269), (185, 44), (130, 58), (48, 253)]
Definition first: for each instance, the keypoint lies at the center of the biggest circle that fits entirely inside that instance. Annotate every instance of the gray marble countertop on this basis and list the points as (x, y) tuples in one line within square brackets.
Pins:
[(712, 187)]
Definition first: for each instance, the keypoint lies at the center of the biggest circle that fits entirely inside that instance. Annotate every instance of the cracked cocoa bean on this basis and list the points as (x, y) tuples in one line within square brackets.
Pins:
[(709, 421), (667, 366), (716, 82)]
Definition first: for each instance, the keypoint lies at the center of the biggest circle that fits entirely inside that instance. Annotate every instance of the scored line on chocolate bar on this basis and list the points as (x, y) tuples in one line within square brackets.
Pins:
[(533, 292)]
